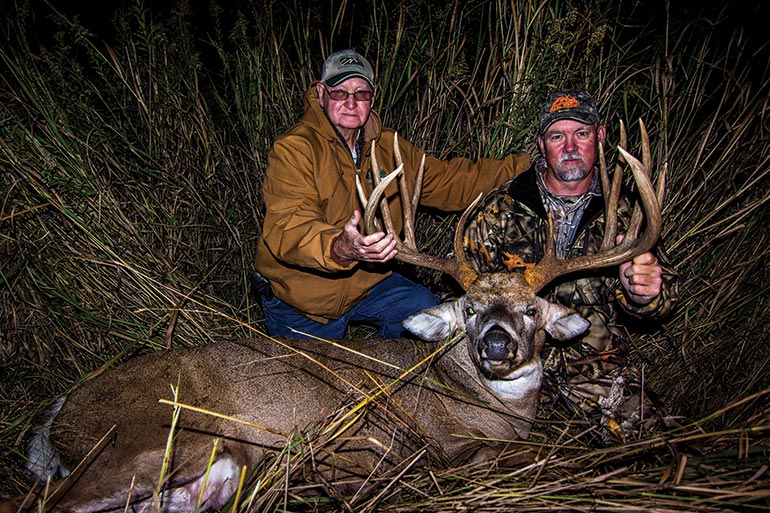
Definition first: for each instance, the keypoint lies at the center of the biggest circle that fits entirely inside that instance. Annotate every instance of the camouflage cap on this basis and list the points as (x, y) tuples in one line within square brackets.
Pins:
[(573, 104), (346, 64)]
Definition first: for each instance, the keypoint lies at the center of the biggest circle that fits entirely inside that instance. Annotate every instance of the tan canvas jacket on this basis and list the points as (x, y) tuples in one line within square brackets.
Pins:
[(310, 193)]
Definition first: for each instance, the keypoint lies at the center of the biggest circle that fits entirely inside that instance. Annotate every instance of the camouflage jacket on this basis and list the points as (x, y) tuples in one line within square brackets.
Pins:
[(512, 220)]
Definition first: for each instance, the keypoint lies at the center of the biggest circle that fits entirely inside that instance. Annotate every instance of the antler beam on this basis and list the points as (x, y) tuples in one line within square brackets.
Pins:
[(457, 267)]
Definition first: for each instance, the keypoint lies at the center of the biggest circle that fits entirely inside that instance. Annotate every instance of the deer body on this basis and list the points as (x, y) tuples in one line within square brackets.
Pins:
[(465, 404)]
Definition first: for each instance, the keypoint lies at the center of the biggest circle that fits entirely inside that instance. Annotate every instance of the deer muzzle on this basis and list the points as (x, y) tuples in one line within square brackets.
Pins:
[(497, 352)]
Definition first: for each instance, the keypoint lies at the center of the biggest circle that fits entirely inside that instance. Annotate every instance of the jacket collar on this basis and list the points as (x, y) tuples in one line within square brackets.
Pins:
[(524, 189)]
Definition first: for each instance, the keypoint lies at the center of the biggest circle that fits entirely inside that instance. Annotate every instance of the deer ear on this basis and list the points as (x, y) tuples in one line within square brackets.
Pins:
[(563, 323), (435, 323)]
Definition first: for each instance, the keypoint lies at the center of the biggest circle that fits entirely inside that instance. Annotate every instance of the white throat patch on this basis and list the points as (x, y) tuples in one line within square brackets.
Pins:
[(520, 383)]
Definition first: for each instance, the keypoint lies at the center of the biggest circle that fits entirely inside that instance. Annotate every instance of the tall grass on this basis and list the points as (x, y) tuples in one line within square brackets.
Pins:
[(132, 166)]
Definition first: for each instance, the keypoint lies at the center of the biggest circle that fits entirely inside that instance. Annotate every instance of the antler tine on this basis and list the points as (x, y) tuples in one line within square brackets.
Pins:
[(649, 198), (661, 195), (361, 194), (409, 204), (456, 267), (636, 215), (360, 187), (410, 207), (611, 192), (603, 169), (370, 208), (418, 185), (376, 170), (543, 272)]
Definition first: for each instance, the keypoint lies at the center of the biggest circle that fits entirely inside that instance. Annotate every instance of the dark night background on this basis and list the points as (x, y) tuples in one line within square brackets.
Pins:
[(97, 16)]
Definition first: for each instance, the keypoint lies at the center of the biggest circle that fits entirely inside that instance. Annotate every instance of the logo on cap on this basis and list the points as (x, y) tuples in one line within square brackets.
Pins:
[(574, 104), (350, 61), (564, 102)]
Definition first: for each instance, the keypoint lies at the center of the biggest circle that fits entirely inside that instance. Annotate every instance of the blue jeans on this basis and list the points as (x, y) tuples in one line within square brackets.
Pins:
[(389, 302)]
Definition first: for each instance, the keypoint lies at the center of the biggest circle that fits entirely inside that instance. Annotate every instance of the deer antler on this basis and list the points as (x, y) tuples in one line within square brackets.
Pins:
[(540, 274), (457, 266)]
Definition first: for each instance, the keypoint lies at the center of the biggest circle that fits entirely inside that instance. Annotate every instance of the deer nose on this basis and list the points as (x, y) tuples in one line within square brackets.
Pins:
[(497, 344)]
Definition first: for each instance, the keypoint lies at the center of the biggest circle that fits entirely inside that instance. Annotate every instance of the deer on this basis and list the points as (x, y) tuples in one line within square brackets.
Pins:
[(465, 394)]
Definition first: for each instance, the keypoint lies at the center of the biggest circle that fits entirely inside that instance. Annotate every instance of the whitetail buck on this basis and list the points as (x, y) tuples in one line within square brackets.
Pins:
[(372, 406)]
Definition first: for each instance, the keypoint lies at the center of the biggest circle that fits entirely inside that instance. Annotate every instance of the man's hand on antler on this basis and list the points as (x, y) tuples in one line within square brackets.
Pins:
[(352, 245), (641, 277)]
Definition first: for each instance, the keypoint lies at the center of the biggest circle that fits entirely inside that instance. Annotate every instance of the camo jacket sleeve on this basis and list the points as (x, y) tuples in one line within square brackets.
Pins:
[(501, 228)]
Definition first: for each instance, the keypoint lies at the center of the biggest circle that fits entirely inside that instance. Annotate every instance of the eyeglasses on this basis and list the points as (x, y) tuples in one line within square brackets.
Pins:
[(339, 95)]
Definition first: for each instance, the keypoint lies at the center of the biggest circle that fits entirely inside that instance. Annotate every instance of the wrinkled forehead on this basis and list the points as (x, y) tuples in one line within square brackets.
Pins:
[(569, 126)]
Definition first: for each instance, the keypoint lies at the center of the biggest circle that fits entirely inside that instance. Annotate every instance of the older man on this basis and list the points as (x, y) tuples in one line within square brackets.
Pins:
[(592, 376), (320, 271)]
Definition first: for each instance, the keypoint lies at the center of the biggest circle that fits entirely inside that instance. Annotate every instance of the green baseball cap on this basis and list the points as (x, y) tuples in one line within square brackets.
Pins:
[(346, 64)]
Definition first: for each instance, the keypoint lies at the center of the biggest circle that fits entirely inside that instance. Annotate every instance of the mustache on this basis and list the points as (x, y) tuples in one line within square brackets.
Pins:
[(571, 156)]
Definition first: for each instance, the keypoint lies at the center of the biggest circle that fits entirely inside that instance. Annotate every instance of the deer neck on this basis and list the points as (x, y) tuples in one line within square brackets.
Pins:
[(458, 366)]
